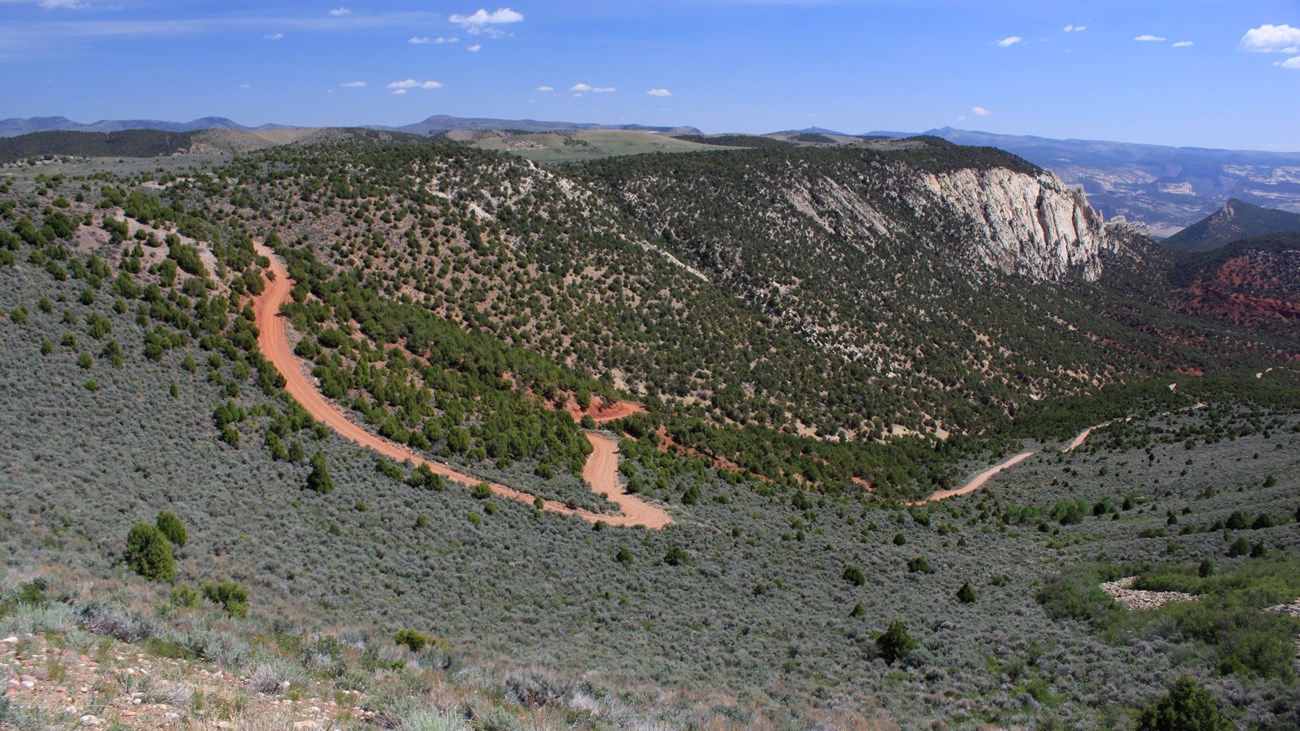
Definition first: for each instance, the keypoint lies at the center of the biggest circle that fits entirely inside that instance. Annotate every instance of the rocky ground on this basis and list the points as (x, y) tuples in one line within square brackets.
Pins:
[(116, 686), (1138, 599)]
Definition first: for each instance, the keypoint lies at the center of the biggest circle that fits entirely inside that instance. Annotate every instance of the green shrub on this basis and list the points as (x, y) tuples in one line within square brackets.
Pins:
[(482, 491), (1187, 707), (895, 643), (919, 565), (966, 595), (319, 478), (185, 596), (1076, 595), (854, 576), (675, 556), (149, 554), (172, 527), (414, 641), (388, 469), (231, 596)]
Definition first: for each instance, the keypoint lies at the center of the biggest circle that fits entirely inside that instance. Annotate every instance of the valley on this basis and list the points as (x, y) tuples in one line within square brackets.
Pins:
[(600, 469), (491, 444)]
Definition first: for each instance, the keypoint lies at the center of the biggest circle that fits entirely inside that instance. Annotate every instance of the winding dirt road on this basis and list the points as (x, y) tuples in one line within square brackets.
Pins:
[(601, 470), (978, 481)]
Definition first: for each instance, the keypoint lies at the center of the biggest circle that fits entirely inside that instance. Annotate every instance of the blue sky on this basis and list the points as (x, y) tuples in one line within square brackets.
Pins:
[(1209, 73)]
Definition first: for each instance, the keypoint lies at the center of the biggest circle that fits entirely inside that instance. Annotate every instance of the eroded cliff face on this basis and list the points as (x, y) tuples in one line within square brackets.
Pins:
[(1018, 223)]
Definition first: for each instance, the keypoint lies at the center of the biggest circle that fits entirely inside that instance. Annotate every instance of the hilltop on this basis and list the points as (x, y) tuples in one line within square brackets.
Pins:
[(1235, 221)]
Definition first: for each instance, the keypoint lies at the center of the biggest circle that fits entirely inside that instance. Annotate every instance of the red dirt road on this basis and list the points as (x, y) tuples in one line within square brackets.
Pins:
[(601, 470), (978, 481)]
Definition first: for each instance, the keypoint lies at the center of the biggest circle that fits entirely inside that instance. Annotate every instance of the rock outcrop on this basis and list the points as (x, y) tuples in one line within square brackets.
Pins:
[(1019, 223)]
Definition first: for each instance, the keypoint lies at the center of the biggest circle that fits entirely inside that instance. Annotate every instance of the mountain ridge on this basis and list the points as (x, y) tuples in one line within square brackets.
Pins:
[(1235, 221)]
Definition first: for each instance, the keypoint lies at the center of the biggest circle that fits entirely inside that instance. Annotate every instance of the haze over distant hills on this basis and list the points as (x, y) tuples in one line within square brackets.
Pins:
[(20, 126)]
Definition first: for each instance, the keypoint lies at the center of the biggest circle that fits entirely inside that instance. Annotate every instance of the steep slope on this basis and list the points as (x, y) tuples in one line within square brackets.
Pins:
[(1235, 221)]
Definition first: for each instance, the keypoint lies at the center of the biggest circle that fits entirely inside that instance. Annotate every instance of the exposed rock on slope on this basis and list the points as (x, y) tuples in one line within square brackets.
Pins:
[(1021, 223)]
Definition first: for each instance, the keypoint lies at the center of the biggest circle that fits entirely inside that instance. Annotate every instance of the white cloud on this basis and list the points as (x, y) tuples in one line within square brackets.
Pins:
[(341, 11), (482, 21), (353, 84), (1271, 39), (1148, 38), (580, 87), (1072, 28), (64, 4), (659, 92), (474, 48), (413, 84), (1010, 41), (425, 40), (245, 86), (273, 37), (980, 111), (1183, 44), (546, 88), (397, 92), (1290, 63)]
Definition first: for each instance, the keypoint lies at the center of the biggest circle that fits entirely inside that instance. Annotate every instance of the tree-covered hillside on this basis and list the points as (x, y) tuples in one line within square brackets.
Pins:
[(462, 293)]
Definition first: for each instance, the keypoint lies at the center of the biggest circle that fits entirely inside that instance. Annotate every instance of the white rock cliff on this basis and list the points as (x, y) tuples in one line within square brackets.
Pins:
[(1019, 223)]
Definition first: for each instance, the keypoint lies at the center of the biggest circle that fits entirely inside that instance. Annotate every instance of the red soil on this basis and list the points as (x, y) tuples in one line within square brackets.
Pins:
[(272, 339)]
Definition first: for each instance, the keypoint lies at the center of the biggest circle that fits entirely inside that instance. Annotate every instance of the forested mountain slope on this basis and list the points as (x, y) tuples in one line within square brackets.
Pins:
[(718, 281), (134, 384)]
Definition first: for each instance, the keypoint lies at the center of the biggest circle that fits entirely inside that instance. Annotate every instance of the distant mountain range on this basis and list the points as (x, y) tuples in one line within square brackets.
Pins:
[(440, 123), (436, 124), (1235, 221), (18, 126), (1166, 188)]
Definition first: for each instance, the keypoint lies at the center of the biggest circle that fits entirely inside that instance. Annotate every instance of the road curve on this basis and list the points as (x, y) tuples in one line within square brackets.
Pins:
[(601, 470)]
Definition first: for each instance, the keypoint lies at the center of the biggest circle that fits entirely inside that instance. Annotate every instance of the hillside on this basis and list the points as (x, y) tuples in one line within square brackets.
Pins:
[(130, 143), (1235, 221), (461, 303)]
